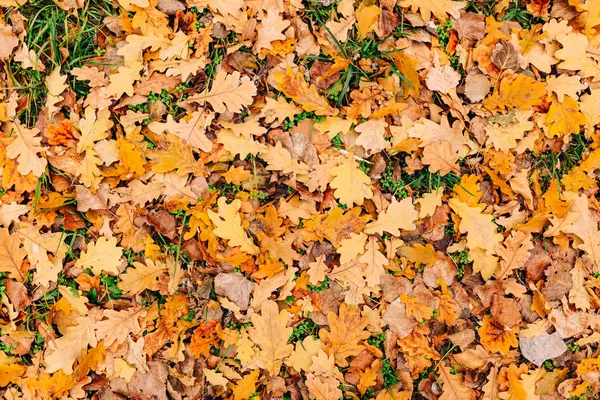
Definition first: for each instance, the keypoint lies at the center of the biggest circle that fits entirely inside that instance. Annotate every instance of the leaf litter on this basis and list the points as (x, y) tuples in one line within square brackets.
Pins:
[(300, 199)]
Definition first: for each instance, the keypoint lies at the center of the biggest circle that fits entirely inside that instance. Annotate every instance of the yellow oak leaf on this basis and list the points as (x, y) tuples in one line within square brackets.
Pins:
[(440, 158), (10, 373), (351, 185), (564, 85), (564, 118), (239, 144), (61, 353), (352, 247), (590, 108), (420, 254), (24, 148), (56, 85), (269, 30), (11, 255), (514, 252), (215, 378), (368, 377), (366, 18), (244, 388), (131, 156), (93, 127), (519, 91), (453, 387), (573, 55), (306, 95), (271, 333), (237, 175), (399, 215), (495, 338), (191, 131), (480, 228), (118, 325), (280, 159), (439, 8), (416, 310), (372, 136), (140, 277), (122, 82), (101, 255), (323, 388), (345, 333), (578, 294), (228, 225), (375, 262), (229, 92), (301, 359), (317, 270)]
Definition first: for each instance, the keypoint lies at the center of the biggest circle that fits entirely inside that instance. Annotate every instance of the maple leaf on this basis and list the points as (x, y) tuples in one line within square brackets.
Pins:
[(351, 184), (25, 148), (228, 225), (306, 95), (229, 92), (270, 332), (345, 333), (11, 255), (101, 255), (399, 215)]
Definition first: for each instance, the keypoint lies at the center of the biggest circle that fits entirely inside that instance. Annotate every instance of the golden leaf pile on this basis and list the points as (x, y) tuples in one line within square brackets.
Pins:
[(308, 199)]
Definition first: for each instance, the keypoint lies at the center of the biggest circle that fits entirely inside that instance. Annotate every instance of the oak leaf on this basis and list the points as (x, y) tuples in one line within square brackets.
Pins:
[(270, 332), (306, 95), (228, 225), (514, 252), (229, 92), (440, 158), (399, 215), (62, 352), (351, 185), (453, 387), (24, 148), (345, 333), (101, 255), (118, 325), (439, 8), (11, 255)]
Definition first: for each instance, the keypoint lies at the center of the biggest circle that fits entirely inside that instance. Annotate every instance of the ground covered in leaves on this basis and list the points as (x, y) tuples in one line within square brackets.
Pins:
[(300, 199)]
